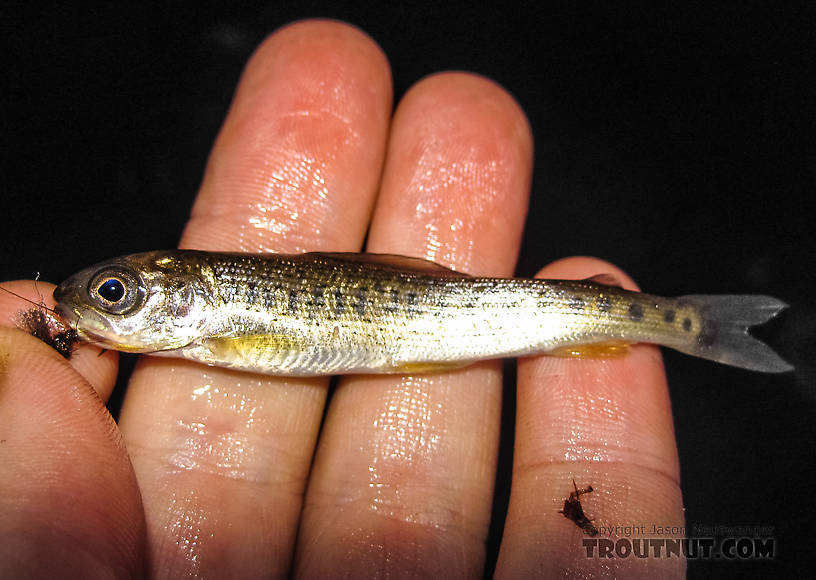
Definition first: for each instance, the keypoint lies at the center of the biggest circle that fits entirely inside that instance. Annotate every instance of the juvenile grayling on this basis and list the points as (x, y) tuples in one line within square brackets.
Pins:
[(322, 313)]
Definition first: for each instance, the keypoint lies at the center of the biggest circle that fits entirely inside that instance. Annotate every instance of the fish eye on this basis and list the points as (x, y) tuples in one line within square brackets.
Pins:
[(116, 290), (112, 290)]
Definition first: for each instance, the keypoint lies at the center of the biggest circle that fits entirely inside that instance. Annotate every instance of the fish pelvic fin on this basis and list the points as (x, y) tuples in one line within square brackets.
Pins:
[(724, 337)]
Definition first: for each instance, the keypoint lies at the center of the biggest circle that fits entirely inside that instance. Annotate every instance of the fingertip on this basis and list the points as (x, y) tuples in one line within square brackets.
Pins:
[(298, 159), (317, 51), (98, 367), (457, 175), (491, 112)]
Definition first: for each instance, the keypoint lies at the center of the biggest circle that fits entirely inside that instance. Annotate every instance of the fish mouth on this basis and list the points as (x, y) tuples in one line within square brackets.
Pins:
[(72, 317), (89, 326), (94, 328), (102, 336)]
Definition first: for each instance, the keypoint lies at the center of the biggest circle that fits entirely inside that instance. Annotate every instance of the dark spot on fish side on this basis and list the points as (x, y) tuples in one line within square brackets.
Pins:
[(411, 301), (434, 289), (636, 312), (339, 301), (392, 305), (668, 316), (604, 304), (318, 296), (269, 298), (362, 300), (686, 324), (293, 301), (251, 293), (576, 303), (708, 333)]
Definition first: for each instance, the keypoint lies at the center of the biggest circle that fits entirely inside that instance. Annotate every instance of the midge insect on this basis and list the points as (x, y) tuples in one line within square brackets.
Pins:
[(573, 510), (323, 313)]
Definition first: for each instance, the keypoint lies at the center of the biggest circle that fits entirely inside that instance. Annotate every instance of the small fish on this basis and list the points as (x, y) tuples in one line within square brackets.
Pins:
[(323, 313)]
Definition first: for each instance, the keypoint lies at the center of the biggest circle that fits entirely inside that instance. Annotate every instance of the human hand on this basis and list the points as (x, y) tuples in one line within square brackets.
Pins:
[(219, 473)]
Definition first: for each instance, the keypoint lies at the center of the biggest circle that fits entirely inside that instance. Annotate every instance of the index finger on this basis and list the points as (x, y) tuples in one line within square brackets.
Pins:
[(221, 456)]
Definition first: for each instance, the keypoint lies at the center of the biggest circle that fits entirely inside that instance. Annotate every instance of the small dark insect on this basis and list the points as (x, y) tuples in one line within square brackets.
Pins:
[(575, 512), (43, 323)]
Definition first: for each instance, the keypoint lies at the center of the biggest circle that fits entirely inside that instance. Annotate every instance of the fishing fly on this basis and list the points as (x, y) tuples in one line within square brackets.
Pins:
[(45, 324)]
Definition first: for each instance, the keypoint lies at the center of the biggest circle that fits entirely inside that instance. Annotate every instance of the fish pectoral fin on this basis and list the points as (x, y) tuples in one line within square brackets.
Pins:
[(612, 348), (231, 346)]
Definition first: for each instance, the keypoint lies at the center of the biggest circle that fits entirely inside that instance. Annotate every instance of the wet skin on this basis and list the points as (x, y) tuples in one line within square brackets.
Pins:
[(212, 471)]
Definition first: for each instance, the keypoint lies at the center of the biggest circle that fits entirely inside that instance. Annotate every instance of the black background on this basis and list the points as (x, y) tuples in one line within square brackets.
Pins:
[(677, 143)]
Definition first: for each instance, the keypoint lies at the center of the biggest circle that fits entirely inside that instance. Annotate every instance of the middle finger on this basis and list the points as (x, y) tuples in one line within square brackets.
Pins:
[(403, 476)]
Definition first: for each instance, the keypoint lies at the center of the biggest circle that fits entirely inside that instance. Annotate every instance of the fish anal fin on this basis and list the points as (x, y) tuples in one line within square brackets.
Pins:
[(424, 367), (610, 349)]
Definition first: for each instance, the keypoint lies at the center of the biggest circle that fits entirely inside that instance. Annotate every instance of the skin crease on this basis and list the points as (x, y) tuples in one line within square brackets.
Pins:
[(209, 471)]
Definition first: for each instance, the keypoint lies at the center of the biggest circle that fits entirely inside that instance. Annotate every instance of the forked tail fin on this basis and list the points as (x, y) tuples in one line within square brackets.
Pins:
[(725, 338)]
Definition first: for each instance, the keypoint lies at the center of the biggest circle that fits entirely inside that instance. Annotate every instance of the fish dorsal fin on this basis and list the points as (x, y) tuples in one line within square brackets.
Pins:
[(391, 262), (604, 280)]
